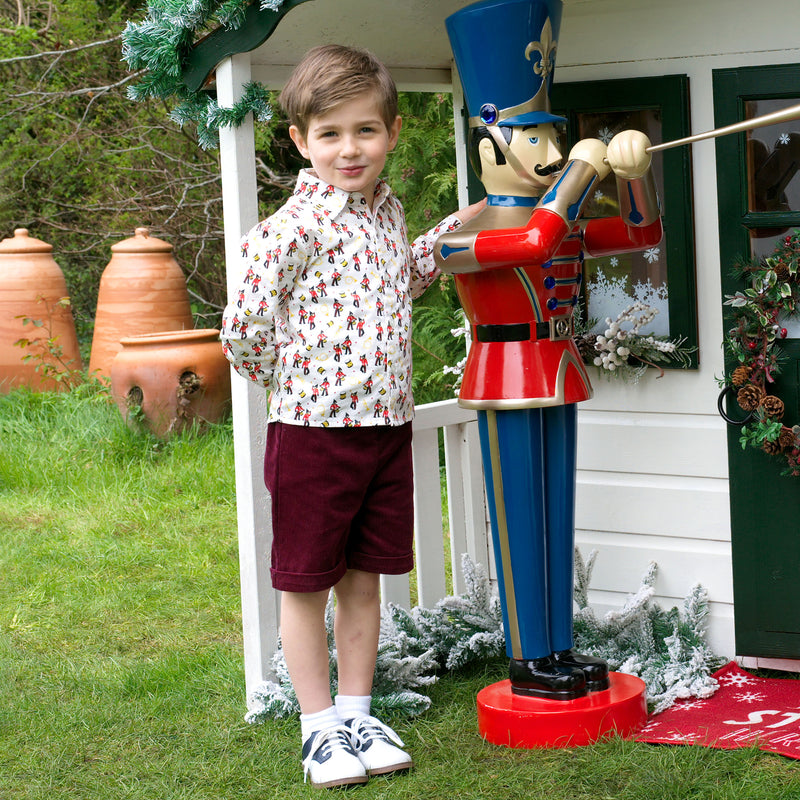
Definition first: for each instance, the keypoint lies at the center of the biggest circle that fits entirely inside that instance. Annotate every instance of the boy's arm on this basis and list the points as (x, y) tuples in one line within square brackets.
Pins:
[(271, 255), (425, 270)]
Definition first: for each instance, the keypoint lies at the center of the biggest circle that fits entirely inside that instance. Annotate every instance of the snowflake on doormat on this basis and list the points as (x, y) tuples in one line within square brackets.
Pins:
[(736, 679), (689, 705), (749, 697)]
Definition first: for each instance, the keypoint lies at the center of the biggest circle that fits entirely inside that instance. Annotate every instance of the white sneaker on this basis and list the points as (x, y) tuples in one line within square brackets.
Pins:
[(330, 760), (374, 742)]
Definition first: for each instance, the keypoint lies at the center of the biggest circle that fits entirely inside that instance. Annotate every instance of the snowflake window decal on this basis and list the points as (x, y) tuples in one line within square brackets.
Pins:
[(652, 254), (605, 134)]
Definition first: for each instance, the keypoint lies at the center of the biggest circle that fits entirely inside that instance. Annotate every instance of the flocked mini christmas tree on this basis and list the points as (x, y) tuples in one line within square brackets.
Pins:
[(666, 649)]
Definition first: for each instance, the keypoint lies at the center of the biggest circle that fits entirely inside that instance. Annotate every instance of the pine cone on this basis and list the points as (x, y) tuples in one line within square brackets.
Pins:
[(585, 345), (772, 448), (782, 270), (740, 375), (749, 397), (773, 406), (787, 438)]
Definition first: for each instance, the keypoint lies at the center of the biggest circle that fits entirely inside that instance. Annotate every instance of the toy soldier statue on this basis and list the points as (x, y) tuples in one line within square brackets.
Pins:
[(518, 271)]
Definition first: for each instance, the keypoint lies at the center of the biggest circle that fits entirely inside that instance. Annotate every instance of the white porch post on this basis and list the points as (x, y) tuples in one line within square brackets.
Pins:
[(240, 213)]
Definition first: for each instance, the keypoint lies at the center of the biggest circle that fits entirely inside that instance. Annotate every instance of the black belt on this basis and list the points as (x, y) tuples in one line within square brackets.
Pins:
[(515, 332)]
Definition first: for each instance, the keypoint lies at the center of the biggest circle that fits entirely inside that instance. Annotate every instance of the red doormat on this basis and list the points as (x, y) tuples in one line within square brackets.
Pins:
[(745, 711)]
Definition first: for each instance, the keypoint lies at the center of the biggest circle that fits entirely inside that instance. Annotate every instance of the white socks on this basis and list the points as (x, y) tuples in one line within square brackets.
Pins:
[(347, 707), (319, 721), (350, 706)]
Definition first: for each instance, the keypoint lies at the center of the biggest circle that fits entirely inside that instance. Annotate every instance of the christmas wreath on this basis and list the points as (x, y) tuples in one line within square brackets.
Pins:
[(760, 313), (159, 45)]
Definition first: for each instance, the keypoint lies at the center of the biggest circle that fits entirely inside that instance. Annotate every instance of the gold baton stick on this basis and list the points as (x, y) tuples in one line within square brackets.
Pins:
[(785, 115)]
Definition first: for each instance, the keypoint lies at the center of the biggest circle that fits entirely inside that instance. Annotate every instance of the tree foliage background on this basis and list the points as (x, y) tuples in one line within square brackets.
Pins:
[(82, 166)]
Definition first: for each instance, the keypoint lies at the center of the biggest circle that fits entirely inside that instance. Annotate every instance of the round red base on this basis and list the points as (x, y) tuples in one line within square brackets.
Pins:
[(513, 720)]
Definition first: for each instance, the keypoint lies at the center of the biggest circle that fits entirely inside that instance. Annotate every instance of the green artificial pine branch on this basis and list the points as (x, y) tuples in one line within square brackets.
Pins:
[(159, 46)]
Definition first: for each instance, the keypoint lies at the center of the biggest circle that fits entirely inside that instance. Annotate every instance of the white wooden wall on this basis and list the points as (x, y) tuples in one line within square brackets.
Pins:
[(652, 480)]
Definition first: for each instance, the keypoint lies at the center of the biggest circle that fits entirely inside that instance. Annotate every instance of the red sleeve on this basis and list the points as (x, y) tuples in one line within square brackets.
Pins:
[(604, 237), (513, 247)]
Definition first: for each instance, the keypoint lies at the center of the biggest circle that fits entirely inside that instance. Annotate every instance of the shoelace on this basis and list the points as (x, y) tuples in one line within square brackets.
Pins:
[(325, 741), (365, 729)]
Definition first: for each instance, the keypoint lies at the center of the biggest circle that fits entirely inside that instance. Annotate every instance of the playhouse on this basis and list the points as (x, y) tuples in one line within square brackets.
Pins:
[(661, 476)]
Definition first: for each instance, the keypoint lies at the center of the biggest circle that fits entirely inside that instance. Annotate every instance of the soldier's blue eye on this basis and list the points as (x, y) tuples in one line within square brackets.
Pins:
[(533, 139)]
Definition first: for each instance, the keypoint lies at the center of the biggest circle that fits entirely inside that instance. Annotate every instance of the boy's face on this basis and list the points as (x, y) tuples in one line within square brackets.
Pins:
[(347, 146)]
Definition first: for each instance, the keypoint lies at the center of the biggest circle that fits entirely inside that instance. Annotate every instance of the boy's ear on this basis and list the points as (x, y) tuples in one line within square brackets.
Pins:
[(299, 140), (394, 132)]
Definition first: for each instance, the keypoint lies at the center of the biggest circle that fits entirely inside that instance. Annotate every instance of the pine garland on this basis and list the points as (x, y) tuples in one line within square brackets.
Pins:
[(772, 295), (158, 47), (665, 649)]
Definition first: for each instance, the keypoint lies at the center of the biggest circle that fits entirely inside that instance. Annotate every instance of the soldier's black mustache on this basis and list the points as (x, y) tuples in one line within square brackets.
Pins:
[(548, 170)]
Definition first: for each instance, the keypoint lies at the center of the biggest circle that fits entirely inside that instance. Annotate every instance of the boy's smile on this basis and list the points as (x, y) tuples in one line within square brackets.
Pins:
[(347, 146)]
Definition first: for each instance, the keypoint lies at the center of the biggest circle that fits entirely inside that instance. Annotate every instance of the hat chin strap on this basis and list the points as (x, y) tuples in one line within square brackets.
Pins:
[(513, 161)]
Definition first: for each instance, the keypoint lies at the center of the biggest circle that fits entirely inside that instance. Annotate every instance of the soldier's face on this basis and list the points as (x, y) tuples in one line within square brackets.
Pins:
[(531, 158), (538, 149)]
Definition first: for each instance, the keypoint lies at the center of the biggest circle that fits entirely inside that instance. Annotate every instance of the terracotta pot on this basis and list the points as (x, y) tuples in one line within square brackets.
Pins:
[(33, 286), (142, 290), (176, 378)]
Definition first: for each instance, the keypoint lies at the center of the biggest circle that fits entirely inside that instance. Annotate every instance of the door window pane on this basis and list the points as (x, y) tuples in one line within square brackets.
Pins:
[(773, 158), (762, 245)]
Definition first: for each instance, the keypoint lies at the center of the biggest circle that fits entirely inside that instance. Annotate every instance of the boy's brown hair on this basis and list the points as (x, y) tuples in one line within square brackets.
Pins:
[(328, 76)]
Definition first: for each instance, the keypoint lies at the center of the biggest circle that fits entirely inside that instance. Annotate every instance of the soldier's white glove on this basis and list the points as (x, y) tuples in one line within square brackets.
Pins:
[(627, 155)]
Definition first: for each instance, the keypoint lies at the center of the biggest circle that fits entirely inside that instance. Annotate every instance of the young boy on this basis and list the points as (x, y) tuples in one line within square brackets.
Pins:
[(322, 319)]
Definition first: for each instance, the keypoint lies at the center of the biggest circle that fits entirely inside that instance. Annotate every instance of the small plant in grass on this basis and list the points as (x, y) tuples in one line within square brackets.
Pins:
[(46, 352)]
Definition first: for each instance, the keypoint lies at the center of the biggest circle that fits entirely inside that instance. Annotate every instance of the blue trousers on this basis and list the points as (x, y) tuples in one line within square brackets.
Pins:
[(529, 464)]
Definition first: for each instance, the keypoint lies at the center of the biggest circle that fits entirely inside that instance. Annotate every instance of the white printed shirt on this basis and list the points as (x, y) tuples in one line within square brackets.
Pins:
[(322, 316)]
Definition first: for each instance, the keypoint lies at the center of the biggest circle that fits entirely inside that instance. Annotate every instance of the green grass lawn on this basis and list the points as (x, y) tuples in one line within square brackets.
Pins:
[(120, 646)]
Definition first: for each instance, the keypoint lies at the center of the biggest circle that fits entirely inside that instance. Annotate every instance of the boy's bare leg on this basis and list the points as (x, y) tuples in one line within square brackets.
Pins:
[(305, 647), (356, 628)]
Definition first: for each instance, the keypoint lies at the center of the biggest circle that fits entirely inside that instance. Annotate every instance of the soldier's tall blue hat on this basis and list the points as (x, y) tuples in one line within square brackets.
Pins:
[(505, 51)]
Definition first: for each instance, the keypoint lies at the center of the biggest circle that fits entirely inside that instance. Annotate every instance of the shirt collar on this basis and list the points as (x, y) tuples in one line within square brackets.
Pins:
[(334, 199)]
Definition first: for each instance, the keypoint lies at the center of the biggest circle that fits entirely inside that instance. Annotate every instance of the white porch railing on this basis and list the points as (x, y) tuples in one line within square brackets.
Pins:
[(467, 526), (466, 506)]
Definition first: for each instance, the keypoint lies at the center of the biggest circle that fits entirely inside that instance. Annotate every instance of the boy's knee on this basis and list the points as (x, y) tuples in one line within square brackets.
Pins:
[(357, 583)]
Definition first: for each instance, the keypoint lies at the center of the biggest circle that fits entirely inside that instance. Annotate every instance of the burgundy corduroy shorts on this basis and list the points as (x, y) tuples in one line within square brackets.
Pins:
[(342, 498)]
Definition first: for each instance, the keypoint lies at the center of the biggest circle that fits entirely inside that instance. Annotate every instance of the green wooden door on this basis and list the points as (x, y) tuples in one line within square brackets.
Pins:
[(759, 201)]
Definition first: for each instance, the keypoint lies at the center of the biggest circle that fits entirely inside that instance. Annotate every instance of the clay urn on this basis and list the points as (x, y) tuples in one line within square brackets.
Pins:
[(142, 290), (32, 287), (171, 380)]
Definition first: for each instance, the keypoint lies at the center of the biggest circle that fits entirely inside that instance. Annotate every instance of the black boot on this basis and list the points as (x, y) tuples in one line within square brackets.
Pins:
[(595, 669), (543, 677)]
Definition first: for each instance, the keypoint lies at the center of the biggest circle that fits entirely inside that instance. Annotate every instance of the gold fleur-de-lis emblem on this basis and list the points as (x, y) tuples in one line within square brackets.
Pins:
[(546, 49)]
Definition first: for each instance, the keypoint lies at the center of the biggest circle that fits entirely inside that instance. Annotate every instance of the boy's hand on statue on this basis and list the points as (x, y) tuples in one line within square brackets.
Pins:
[(468, 212), (628, 156), (592, 151)]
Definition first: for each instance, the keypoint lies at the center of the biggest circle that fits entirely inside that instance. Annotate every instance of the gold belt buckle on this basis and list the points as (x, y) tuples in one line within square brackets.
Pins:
[(561, 328)]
